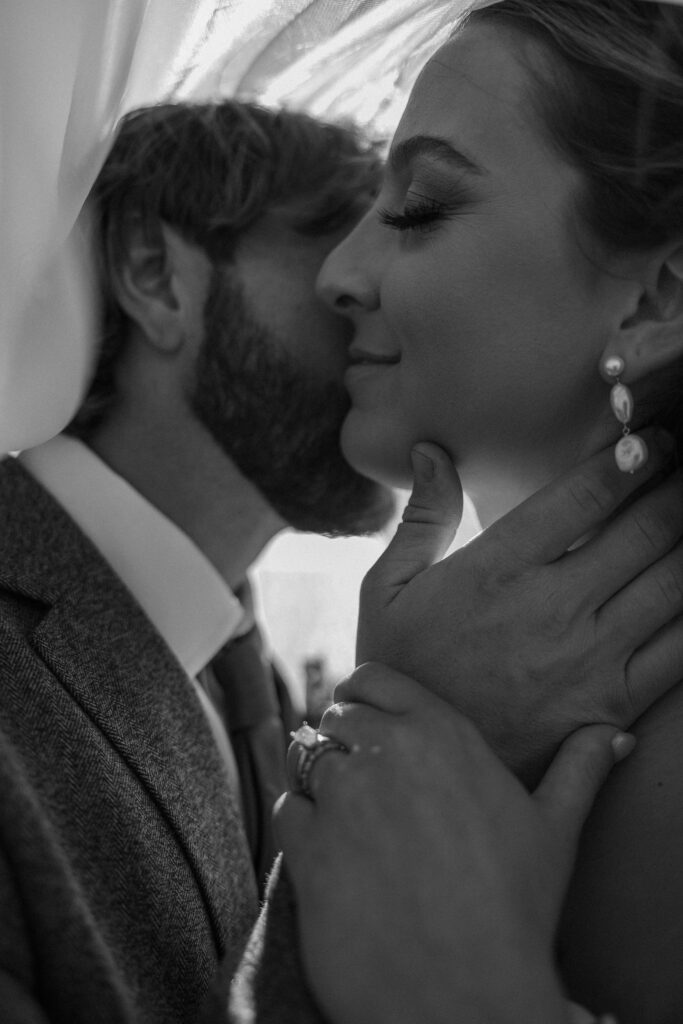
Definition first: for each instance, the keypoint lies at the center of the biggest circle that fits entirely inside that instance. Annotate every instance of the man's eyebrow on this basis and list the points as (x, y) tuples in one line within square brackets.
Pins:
[(405, 152)]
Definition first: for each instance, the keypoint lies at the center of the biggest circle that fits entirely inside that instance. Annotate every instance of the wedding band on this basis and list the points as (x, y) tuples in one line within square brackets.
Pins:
[(306, 747)]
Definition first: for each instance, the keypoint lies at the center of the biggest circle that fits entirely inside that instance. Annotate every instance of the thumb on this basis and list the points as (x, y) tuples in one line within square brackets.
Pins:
[(430, 519), (571, 784)]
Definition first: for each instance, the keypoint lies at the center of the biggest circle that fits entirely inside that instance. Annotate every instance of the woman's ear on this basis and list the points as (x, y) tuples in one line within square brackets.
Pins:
[(146, 282), (652, 337)]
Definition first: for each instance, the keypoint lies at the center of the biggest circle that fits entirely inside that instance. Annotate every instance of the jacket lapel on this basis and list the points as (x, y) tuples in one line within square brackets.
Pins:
[(104, 651)]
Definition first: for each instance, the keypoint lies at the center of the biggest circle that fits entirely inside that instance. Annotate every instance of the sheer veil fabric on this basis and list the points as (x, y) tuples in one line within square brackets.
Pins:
[(68, 72)]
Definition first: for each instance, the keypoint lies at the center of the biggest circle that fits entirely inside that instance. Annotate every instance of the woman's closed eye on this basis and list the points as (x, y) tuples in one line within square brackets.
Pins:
[(420, 213)]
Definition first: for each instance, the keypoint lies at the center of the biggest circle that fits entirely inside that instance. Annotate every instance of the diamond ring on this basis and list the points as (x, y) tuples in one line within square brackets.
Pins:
[(306, 747)]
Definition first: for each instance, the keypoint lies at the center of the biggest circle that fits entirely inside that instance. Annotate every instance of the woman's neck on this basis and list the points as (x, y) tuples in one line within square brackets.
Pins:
[(499, 484)]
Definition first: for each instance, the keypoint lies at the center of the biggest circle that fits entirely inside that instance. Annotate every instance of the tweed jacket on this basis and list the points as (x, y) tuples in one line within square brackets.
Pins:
[(270, 986), (125, 876)]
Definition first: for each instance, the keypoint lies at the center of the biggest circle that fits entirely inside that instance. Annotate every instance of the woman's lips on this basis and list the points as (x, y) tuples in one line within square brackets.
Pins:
[(360, 357), (365, 365)]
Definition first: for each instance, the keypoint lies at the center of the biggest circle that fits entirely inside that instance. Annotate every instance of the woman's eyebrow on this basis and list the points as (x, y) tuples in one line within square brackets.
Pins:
[(406, 151)]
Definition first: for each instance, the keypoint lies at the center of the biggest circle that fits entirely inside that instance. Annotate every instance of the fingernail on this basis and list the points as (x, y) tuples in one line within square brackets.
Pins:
[(622, 745), (423, 466)]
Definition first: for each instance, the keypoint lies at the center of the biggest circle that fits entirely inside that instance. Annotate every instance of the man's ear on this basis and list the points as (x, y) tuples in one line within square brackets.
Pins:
[(652, 337), (145, 285)]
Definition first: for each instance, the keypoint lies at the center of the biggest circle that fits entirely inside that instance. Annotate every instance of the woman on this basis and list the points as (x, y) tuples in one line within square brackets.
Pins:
[(525, 254)]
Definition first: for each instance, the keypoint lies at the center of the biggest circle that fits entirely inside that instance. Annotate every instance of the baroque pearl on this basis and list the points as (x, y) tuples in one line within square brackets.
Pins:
[(631, 453), (621, 401), (614, 366)]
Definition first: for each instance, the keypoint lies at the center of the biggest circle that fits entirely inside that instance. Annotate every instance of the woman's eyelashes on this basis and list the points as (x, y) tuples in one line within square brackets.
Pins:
[(420, 213)]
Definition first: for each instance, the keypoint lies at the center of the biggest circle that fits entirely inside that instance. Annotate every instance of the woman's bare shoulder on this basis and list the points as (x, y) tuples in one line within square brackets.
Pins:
[(621, 943)]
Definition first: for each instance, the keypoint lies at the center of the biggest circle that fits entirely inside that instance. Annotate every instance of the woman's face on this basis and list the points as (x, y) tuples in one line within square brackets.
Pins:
[(479, 314)]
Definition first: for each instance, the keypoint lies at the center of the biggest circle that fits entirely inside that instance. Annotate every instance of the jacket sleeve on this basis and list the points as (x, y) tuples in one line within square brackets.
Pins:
[(18, 1003), (270, 986)]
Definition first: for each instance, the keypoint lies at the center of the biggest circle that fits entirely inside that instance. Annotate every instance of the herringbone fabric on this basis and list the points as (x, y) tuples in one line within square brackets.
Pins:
[(125, 875)]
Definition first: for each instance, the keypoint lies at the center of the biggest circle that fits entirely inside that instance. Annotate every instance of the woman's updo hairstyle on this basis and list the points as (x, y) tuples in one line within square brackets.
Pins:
[(612, 104), (614, 107)]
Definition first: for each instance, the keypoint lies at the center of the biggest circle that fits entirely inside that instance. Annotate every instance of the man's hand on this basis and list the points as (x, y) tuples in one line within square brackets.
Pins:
[(429, 882), (527, 638)]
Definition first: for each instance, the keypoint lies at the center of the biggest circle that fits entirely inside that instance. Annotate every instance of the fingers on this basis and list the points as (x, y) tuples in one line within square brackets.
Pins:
[(368, 703), (383, 688), (317, 767), (430, 520), (640, 535), (650, 602), (333, 778), (655, 668), (556, 517), (573, 780)]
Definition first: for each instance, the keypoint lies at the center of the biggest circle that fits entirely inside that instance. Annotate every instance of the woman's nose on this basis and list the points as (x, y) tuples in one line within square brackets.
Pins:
[(346, 283)]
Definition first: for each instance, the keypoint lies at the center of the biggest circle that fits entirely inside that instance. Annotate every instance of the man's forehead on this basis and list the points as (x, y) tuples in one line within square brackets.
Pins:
[(290, 227)]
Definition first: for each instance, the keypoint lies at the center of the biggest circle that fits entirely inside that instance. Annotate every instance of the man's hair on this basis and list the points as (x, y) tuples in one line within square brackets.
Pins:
[(210, 171)]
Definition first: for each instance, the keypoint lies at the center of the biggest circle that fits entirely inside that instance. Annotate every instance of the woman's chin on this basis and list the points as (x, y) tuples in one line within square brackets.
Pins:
[(377, 453), (384, 471)]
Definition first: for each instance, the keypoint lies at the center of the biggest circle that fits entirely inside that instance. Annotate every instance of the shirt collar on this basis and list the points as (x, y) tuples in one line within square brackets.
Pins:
[(176, 586)]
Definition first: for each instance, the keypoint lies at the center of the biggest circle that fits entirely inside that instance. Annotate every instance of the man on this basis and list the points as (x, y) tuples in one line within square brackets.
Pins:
[(126, 871), (135, 771)]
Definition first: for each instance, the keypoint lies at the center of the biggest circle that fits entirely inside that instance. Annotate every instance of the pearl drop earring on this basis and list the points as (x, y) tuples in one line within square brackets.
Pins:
[(631, 451)]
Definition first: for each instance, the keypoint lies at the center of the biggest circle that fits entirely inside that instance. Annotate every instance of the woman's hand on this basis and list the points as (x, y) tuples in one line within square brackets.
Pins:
[(528, 639), (429, 882)]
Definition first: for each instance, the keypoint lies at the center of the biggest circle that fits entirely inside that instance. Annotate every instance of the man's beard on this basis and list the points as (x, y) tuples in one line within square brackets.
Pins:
[(279, 424)]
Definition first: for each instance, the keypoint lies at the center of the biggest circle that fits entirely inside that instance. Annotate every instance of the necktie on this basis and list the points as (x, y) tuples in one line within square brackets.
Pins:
[(257, 734)]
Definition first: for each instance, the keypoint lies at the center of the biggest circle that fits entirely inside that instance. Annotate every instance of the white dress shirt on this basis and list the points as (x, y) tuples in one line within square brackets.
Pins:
[(183, 596)]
